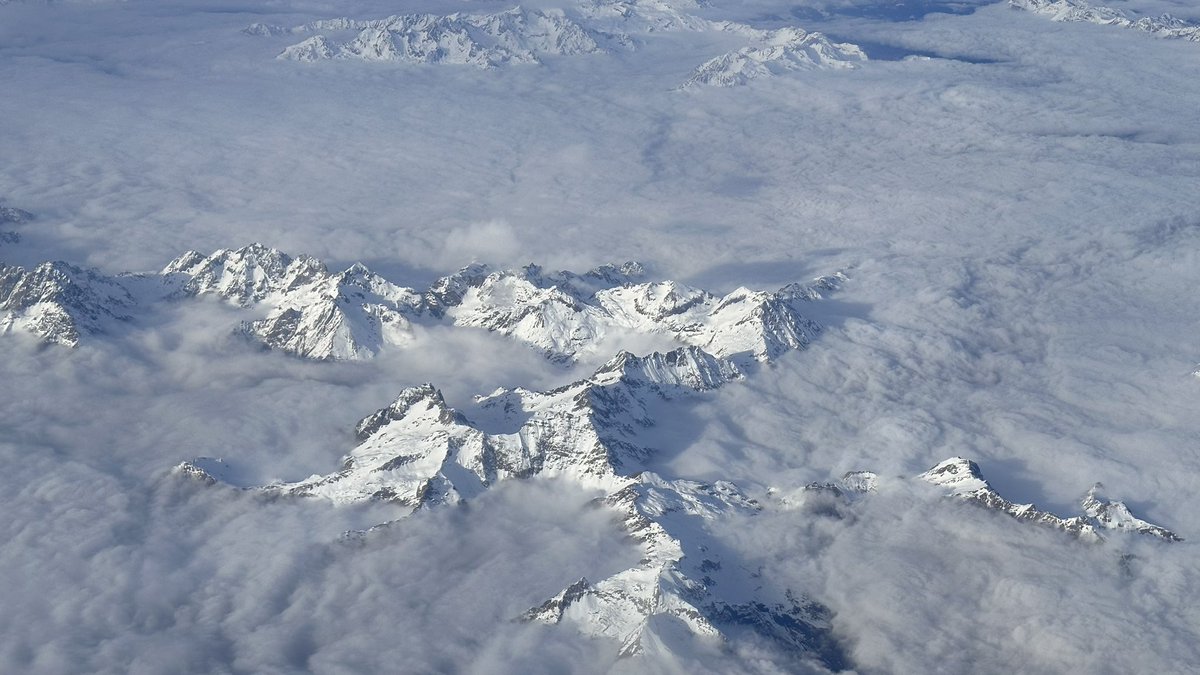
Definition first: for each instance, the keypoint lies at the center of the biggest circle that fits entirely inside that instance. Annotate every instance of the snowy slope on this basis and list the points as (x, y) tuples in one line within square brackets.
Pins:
[(965, 481), (483, 40), (313, 313), (356, 314), (774, 53), (1164, 26), (564, 318), (60, 303), (418, 451)]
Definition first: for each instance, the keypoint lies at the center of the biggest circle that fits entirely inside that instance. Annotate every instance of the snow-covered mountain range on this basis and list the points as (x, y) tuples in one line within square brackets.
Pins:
[(420, 453), (521, 35), (355, 314), (1164, 26), (59, 303), (773, 53), (517, 35)]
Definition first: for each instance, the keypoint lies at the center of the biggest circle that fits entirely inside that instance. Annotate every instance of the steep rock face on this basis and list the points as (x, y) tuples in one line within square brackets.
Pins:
[(964, 480), (774, 53), (59, 303), (482, 40), (1164, 26)]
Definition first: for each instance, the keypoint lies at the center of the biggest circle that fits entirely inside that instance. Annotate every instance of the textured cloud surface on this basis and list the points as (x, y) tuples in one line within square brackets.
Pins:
[(1013, 200)]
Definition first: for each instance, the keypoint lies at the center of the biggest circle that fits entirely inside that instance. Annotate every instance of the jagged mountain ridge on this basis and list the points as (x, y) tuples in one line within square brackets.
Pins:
[(517, 35), (773, 53), (520, 35), (58, 302), (1163, 26), (420, 453), (356, 314), (313, 313), (965, 480)]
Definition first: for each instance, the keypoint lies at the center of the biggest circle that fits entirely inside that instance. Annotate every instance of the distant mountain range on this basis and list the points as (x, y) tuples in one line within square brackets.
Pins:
[(521, 35), (1163, 26), (355, 314)]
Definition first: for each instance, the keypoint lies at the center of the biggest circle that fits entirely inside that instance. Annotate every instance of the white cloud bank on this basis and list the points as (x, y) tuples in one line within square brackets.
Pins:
[(1021, 225)]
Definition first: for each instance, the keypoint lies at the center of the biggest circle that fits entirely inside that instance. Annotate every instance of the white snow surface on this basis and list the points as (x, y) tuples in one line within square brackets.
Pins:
[(482, 40), (1164, 26), (776, 52), (356, 314)]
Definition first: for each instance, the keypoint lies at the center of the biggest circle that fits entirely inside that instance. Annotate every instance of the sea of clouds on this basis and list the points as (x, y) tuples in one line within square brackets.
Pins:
[(1016, 212)]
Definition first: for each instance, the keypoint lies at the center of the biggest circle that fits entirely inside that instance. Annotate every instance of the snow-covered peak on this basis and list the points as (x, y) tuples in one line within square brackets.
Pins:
[(565, 314), (246, 275), (688, 368), (316, 314), (422, 399), (315, 48), (773, 53), (59, 302), (960, 475), (1114, 515)]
